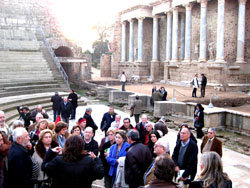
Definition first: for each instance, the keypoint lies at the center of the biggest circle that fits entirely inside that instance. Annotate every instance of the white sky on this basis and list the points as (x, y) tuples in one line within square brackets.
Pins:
[(77, 17)]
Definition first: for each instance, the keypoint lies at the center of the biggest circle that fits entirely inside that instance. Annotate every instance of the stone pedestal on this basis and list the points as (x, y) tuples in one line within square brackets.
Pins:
[(105, 65), (154, 70)]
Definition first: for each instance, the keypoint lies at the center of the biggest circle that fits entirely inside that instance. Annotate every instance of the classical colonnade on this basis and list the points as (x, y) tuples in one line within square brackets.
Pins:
[(185, 34)]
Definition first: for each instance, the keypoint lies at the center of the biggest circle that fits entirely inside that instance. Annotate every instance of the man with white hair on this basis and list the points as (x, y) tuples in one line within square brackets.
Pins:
[(65, 109), (90, 121), (141, 127), (3, 127), (39, 109), (161, 147), (33, 126), (211, 143), (19, 160), (117, 123)]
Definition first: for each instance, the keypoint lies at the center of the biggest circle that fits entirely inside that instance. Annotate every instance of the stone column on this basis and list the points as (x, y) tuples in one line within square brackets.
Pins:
[(203, 31), (155, 39), (220, 32), (188, 33), (123, 55), (169, 37), (131, 40), (140, 39), (182, 52), (241, 32), (175, 35)]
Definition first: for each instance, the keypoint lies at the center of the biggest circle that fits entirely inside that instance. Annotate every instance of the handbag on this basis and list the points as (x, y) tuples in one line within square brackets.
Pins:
[(196, 123), (35, 169)]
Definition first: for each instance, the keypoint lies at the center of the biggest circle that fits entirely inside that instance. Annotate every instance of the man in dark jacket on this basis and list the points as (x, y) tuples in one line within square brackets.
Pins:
[(141, 127), (39, 109), (19, 160), (137, 160), (185, 157), (56, 100), (65, 109), (203, 84), (90, 144), (73, 99), (24, 115), (107, 119), (90, 121)]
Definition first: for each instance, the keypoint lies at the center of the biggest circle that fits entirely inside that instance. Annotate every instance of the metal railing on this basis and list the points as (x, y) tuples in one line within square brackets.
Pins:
[(52, 54)]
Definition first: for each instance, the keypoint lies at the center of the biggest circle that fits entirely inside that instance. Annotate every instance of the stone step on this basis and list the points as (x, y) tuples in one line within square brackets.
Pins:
[(17, 71), (11, 84), (23, 80), (24, 69), (30, 87), (22, 59), (29, 75), (11, 53)]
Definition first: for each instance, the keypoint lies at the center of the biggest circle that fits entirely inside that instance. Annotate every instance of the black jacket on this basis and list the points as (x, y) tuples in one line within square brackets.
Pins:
[(106, 166), (204, 81), (65, 111), (190, 159), (92, 146), (74, 98), (107, 119), (56, 100), (19, 167), (199, 119), (90, 121), (137, 161), (72, 174), (199, 184), (26, 117)]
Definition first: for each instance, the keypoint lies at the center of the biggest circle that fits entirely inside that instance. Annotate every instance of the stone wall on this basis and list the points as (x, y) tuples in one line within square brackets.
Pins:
[(105, 65)]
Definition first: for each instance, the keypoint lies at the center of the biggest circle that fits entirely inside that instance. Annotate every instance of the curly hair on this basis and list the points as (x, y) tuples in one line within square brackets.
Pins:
[(164, 168), (74, 127), (73, 149)]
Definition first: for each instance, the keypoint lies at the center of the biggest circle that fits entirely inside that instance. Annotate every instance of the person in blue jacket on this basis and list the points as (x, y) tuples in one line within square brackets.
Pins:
[(116, 151)]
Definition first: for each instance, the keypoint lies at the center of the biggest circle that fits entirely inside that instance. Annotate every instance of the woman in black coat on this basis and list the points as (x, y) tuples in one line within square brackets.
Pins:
[(199, 120), (74, 168)]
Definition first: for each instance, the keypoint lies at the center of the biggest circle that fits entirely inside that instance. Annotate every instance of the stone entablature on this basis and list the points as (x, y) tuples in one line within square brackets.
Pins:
[(136, 12)]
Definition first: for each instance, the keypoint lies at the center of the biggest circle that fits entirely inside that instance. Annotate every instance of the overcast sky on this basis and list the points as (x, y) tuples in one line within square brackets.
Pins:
[(77, 17)]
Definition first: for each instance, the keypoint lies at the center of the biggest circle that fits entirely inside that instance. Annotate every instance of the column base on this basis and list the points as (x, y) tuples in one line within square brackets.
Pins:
[(220, 61), (202, 60), (174, 61), (240, 61), (139, 61), (186, 61)]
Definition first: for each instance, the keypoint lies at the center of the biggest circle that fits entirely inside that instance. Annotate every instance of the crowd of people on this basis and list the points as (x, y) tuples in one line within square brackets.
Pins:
[(47, 154)]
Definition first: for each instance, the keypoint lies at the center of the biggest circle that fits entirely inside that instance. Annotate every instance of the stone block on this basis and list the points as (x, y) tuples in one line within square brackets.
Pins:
[(145, 100), (119, 96), (162, 108)]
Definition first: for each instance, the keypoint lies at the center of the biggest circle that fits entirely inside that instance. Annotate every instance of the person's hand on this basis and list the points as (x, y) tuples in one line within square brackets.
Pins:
[(117, 161), (92, 155), (106, 154), (182, 179), (177, 169), (56, 149)]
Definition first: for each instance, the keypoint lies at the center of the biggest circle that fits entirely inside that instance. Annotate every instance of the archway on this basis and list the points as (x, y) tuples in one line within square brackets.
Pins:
[(63, 51)]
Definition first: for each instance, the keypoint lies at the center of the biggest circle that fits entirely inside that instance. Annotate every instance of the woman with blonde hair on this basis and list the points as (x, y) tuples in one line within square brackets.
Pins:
[(45, 142), (212, 175), (41, 125)]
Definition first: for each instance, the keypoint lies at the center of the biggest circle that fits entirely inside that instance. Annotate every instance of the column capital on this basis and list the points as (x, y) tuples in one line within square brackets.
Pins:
[(175, 9), (188, 6), (221, 1), (203, 3), (242, 2), (156, 16), (140, 18), (124, 23), (131, 20)]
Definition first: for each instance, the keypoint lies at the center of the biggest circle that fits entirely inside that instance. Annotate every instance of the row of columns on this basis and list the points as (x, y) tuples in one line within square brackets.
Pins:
[(186, 35)]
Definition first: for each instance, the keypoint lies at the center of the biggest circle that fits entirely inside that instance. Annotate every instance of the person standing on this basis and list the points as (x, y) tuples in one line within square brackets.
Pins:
[(137, 160), (73, 99), (65, 109), (89, 119), (107, 119), (24, 115), (19, 160), (123, 80), (137, 107), (3, 126), (185, 158), (211, 143), (56, 100), (199, 119), (203, 84), (195, 83)]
